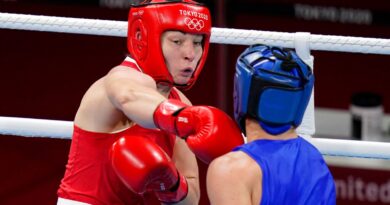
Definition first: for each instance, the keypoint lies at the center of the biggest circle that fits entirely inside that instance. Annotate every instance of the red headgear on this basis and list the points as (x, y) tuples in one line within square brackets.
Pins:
[(148, 21)]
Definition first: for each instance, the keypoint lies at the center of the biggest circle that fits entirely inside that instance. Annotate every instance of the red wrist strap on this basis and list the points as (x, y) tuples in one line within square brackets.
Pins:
[(165, 115), (176, 194)]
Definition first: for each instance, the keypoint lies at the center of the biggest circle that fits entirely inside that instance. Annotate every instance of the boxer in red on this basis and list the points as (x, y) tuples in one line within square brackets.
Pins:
[(136, 136)]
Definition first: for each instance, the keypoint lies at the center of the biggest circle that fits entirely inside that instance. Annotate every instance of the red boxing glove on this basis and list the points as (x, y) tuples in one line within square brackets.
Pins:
[(144, 166), (208, 131)]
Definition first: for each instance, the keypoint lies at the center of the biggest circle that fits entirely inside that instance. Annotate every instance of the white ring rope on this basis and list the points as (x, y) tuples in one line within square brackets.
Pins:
[(29, 127), (63, 24), (352, 148), (219, 35)]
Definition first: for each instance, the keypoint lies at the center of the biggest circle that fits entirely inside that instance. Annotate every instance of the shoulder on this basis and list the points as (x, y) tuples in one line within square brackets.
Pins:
[(126, 71), (230, 168), (236, 177), (130, 75)]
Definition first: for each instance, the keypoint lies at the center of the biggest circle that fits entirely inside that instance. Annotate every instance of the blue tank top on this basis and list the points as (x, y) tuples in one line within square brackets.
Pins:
[(294, 172)]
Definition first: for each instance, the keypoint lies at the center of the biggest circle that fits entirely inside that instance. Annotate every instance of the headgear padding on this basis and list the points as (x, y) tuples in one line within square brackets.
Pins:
[(148, 21), (273, 86)]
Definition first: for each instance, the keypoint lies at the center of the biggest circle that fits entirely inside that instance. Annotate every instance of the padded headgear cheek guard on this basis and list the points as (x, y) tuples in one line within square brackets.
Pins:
[(149, 20), (273, 86)]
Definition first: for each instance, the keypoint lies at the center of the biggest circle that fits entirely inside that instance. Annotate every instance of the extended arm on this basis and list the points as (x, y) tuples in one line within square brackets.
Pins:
[(134, 93)]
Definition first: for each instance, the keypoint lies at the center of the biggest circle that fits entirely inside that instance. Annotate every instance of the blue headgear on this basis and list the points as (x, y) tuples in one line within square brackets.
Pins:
[(273, 86)]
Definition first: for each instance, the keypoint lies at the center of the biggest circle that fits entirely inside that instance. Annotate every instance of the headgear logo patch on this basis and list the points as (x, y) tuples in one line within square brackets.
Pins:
[(194, 23)]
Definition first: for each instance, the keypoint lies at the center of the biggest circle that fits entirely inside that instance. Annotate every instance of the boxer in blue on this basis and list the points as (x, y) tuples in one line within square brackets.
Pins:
[(276, 166)]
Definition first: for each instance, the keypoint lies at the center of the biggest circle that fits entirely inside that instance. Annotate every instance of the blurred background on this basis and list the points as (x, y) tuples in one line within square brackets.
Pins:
[(44, 75)]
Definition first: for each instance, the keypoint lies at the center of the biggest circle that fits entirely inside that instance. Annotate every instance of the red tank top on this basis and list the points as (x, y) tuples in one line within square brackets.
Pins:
[(89, 176)]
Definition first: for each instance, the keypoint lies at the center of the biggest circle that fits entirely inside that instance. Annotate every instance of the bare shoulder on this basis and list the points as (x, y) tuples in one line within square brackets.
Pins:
[(126, 71), (129, 75), (233, 178), (233, 163)]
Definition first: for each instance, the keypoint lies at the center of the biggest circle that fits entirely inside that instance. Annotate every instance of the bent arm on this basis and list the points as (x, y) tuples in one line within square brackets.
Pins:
[(134, 93), (186, 164)]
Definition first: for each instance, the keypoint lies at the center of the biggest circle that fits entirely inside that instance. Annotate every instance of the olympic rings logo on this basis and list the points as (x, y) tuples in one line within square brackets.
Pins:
[(194, 23)]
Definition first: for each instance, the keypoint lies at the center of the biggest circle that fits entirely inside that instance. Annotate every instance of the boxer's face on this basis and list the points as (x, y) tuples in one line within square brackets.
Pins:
[(182, 52)]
